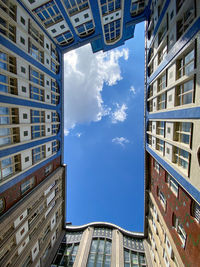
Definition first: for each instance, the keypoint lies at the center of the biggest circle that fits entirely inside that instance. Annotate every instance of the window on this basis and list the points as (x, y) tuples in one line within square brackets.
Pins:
[(22, 20), (48, 169), (36, 52), (36, 77), (64, 38), (27, 185), (2, 204), (55, 98), (185, 93), (25, 116), (9, 115), (86, 15), (179, 228), (26, 159), (186, 64), (55, 146), (48, 13), (76, 20), (38, 154), (37, 131), (23, 89), (162, 82), (47, 46), (160, 127), (55, 117), (9, 166), (196, 211), (186, 20), (36, 34), (37, 116), (181, 158), (162, 198), (112, 31), (22, 40), (183, 132), (160, 145), (47, 61), (36, 93), (156, 166), (7, 29), (62, 26), (54, 86), (100, 251), (8, 84), (162, 53), (9, 8), (162, 101), (9, 136), (7, 62), (172, 184), (23, 70), (133, 259), (110, 6)]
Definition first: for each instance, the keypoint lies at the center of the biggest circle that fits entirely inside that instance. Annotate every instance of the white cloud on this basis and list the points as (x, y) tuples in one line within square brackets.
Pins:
[(84, 75), (132, 89), (78, 135), (119, 114), (120, 141), (66, 132)]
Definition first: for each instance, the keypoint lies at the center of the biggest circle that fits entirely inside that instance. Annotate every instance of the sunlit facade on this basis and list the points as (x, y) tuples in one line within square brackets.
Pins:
[(172, 132)]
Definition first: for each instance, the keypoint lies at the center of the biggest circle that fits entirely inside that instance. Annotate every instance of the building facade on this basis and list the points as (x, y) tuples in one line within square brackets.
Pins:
[(101, 244), (34, 35), (172, 132)]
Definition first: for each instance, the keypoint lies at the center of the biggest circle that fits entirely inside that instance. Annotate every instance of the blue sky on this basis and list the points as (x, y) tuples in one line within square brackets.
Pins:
[(104, 99)]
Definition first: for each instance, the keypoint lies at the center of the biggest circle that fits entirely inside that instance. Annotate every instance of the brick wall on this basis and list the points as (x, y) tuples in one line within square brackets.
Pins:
[(181, 206), (13, 194)]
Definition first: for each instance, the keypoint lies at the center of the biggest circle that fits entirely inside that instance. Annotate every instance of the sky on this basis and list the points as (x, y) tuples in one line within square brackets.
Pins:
[(104, 151)]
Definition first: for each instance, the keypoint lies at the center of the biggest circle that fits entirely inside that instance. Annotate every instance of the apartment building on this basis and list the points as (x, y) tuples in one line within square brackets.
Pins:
[(172, 132)]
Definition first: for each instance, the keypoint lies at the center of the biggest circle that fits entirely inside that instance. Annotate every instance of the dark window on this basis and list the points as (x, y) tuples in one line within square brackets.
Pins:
[(25, 116), (62, 26), (23, 70), (54, 31), (22, 40), (22, 20), (25, 133), (23, 89)]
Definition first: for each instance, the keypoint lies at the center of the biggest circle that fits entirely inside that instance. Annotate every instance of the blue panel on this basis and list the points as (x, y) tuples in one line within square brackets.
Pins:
[(181, 180), (25, 174), (18, 148), (176, 48), (25, 56), (188, 113), (29, 103)]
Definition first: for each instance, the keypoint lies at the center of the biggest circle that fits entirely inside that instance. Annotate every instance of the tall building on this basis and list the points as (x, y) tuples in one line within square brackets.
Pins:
[(34, 35), (102, 244), (172, 132)]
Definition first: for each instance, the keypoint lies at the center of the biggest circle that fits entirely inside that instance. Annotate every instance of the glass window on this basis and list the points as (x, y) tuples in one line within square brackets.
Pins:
[(196, 211), (100, 252), (183, 131), (185, 65), (27, 185), (181, 158), (2, 204), (36, 77), (37, 131), (172, 184), (9, 166), (38, 154), (37, 116), (184, 93)]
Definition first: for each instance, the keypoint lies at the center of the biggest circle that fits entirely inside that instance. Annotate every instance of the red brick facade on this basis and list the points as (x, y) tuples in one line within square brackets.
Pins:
[(181, 206), (13, 194)]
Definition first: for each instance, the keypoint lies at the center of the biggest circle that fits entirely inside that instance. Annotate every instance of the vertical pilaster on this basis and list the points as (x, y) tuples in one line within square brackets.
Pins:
[(84, 248)]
